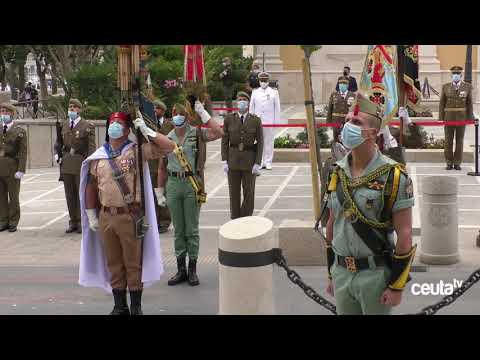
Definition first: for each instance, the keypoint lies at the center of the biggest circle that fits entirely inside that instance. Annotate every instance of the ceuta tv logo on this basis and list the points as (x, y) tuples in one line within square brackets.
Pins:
[(440, 288)]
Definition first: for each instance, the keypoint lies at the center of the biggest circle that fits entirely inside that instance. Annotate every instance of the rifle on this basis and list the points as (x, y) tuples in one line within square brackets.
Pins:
[(59, 147)]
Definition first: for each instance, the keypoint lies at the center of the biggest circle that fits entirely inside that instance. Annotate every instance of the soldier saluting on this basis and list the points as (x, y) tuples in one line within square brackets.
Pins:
[(78, 143), (13, 162), (370, 197)]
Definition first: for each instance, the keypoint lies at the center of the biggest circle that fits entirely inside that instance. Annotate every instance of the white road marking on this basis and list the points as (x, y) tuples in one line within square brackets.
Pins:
[(276, 194), (50, 200), (41, 212), (43, 182), (41, 195), (214, 156), (30, 179), (468, 210), (215, 190)]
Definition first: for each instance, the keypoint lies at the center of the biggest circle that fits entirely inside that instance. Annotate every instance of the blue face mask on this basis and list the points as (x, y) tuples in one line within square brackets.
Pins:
[(242, 106), (343, 87), (72, 115), (456, 77), (352, 135), (6, 119), (115, 131), (179, 121)]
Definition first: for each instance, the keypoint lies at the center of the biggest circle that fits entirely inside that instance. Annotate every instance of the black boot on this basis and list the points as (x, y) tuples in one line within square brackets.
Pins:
[(136, 302), (120, 299), (181, 275), (192, 272)]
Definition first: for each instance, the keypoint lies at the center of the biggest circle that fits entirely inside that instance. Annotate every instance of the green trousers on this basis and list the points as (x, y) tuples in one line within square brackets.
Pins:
[(185, 212), (451, 132), (9, 201), (71, 184), (359, 293)]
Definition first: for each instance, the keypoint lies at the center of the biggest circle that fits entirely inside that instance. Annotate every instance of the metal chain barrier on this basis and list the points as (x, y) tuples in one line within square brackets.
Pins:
[(312, 294), (447, 300), (297, 280)]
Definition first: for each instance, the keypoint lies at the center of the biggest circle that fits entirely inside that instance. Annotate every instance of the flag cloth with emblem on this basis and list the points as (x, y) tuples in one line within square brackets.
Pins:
[(408, 61), (379, 79)]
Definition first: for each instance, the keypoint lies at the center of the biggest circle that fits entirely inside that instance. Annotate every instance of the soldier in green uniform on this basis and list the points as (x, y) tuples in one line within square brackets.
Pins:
[(242, 149), (338, 105), (78, 144), (13, 162), (163, 126), (180, 195), (370, 198), (455, 105)]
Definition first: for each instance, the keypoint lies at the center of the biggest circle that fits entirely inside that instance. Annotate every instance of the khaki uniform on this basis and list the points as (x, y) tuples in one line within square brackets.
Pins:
[(455, 105), (122, 249), (338, 106), (78, 144), (13, 158), (163, 214), (249, 136)]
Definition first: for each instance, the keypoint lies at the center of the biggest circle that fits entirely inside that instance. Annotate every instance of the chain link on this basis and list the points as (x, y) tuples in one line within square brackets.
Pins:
[(447, 300), (312, 294), (297, 280)]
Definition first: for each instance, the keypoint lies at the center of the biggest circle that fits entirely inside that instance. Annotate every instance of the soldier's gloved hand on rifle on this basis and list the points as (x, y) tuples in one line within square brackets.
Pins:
[(92, 219), (58, 159), (225, 167), (200, 110), (19, 175), (160, 193), (139, 123), (256, 169)]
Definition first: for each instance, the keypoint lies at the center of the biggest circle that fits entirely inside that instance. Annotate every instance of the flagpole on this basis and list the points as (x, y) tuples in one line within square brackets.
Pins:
[(401, 90)]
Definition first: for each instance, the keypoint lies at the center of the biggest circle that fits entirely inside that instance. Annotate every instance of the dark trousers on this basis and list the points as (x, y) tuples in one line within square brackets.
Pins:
[(228, 95), (9, 201), (71, 184), (459, 133), (238, 179)]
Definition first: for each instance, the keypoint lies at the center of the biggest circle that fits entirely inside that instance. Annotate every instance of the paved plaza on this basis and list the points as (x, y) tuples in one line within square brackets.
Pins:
[(39, 263)]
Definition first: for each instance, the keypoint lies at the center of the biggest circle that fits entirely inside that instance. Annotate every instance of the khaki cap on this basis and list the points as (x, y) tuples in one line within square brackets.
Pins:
[(9, 107), (75, 102), (343, 80), (160, 104), (456, 69), (363, 104), (244, 94)]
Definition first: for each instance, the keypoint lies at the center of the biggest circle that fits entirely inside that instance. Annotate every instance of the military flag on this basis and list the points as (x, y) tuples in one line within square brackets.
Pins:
[(194, 69), (379, 79), (408, 61)]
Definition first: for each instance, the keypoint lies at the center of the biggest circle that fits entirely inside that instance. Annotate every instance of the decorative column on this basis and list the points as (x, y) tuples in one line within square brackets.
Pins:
[(428, 58), (272, 57)]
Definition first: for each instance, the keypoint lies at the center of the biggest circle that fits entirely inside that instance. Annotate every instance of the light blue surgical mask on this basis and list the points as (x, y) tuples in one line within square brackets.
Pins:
[(242, 106), (72, 115), (6, 119), (343, 87), (456, 77), (179, 121), (352, 135), (115, 131)]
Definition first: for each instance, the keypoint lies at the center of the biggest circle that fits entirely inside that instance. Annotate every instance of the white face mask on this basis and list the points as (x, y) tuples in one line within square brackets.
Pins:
[(263, 84)]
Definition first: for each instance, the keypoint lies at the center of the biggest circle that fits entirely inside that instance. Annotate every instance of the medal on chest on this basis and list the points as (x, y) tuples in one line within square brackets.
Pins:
[(126, 165), (77, 134)]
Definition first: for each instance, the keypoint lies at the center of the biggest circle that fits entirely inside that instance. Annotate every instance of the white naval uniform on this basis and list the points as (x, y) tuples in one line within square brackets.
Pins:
[(265, 103)]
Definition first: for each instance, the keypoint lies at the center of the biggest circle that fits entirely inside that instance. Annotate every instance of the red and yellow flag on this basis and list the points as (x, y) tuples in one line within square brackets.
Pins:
[(194, 69)]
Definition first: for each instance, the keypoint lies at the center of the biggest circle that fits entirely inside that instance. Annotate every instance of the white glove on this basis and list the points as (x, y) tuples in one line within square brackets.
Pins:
[(58, 159), (144, 129), (388, 139), (19, 175), (403, 115), (256, 169), (92, 219), (160, 193), (200, 110), (225, 167)]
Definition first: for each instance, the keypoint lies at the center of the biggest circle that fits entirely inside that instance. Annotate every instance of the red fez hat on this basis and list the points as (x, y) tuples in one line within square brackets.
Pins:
[(119, 117)]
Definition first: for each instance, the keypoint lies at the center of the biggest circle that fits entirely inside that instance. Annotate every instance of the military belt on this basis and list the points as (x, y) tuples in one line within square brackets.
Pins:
[(354, 265), (118, 210), (455, 109), (183, 174), (245, 147), (339, 114)]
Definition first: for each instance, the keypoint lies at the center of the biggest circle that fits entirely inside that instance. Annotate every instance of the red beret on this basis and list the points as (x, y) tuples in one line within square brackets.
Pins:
[(119, 117)]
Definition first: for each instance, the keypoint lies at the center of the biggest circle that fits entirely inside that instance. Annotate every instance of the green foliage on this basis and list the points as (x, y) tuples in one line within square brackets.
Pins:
[(309, 49), (95, 85), (213, 66), (285, 142), (57, 106), (322, 137)]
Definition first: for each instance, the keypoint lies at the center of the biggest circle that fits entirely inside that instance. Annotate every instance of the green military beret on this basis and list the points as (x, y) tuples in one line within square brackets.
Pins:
[(264, 75), (160, 104), (456, 69), (9, 107), (363, 104), (244, 94), (75, 102), (343, 80)]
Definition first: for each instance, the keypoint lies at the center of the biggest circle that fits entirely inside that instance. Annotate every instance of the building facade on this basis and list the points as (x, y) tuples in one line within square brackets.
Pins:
[(284, 62)]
